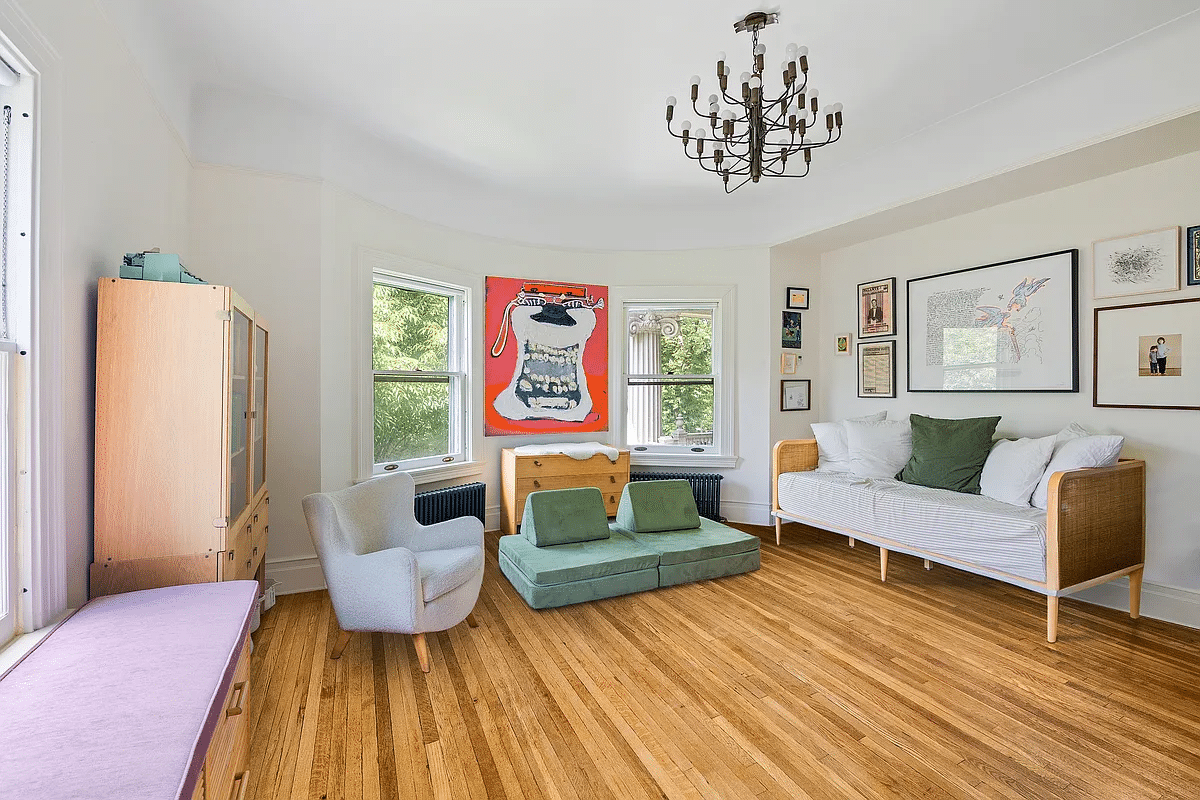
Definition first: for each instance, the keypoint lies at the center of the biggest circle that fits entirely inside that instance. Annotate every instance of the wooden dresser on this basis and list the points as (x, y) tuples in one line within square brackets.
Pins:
[(520, 475)]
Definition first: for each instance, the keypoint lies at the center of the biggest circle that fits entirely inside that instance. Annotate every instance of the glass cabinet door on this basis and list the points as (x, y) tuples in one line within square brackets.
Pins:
[(239, 414), (260, 409)]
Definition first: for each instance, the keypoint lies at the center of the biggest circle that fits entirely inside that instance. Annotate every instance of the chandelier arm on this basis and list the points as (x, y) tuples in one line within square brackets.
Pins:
[(734, 189)]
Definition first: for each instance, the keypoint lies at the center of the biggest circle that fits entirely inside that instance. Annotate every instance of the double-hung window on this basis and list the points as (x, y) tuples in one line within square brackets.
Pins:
[(419, 373), (677, 391)]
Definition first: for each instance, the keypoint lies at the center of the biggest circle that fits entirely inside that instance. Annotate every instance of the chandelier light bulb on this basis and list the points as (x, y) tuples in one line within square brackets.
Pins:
[(790, 49), (745, 78), (835, 108), (728, 71), (727, 114), (760, 50), (686, 125), (813, 94), (801, 51), (700, 134), (695, 80), (714, 108), (755, 82), (721, 56), (671, 101)]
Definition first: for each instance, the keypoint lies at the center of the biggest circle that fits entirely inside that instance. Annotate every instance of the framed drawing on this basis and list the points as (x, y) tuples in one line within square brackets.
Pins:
[(791, 329), (1193, 255), (797, 298), (793, 395), (1147, 355), (1139, 264), (1006, 327), (877, 369), (787, 363), (877, 308), (841, 344)]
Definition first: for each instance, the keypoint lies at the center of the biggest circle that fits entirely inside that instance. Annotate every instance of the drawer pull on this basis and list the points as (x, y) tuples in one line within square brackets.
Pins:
[(537, 463), (537, 484), (612, 498), (231, 555), (239, 690), (612, 478), (256, 517), (241, 781)]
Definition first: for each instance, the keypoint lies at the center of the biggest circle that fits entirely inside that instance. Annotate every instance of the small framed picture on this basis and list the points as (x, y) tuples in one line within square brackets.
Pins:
[(1147, 355), (1143, 263), (1193, 256), (877, 308), (791, 329), (793, 395), (841, 344), (877, 369), (797, 298), (787, 363)]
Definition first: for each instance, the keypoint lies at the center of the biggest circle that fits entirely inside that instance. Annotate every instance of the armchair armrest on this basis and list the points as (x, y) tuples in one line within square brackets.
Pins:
[(790, 455), (458, 532), (378, 591), (1096, 522)]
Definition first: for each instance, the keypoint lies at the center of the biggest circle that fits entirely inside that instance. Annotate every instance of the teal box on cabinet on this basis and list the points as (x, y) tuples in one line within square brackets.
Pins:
[(156, 267)]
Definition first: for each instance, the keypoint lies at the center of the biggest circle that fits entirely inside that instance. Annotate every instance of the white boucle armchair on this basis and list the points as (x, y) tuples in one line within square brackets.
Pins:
[(385, 571)]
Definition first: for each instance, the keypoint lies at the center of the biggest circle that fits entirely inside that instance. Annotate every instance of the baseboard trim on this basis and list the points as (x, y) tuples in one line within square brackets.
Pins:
[(1167, 603), (297, 574), (746, 513)]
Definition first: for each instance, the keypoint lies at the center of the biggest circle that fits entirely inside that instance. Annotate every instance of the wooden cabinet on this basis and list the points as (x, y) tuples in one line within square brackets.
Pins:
[(520, 475), (181, 436), (226, 764)]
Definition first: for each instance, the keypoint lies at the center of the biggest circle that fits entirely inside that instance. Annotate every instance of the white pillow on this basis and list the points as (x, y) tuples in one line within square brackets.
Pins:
[(833, 454), (1013, 469), (878, 449), (1078, 453)]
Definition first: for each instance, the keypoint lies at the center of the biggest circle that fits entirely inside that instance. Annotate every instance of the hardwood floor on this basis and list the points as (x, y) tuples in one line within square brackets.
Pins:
[(806, 679)]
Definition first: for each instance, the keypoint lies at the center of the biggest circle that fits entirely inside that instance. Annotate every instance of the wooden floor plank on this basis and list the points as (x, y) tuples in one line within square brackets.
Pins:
[(808, 678)]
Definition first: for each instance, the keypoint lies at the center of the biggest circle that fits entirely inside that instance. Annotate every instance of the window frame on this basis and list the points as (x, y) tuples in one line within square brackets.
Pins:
[(385, 268), (723, 451)]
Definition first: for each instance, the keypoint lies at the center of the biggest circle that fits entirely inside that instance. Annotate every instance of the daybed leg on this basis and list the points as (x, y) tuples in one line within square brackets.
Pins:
[(883, 554), (928, 565), (1135, 593), (471, 621), (422, 651), (778, 529), (1051, 618), (851, 538), (340, 645)]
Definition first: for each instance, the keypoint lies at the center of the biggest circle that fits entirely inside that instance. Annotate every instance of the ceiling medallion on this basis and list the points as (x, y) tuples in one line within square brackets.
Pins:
[(753, 137)]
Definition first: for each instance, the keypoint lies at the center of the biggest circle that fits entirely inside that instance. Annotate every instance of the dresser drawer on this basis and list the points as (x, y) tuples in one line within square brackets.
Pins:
[(536, 466), (228, 754)]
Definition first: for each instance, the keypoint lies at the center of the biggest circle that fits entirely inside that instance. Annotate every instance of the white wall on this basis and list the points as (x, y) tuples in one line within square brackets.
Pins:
[(1145, 198), (114, 178), (790, 268)]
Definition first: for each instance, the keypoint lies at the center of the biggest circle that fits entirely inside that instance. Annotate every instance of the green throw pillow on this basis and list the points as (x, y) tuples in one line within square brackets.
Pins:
[(653, 506), (564, 516), (948, 453)]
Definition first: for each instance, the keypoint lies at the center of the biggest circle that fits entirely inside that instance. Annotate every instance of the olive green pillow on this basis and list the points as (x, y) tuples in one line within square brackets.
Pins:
[(948, 453)]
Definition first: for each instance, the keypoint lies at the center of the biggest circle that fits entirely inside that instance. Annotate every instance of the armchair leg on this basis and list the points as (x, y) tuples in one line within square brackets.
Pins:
[(340, 645), (471, 621), (422, 651), (1135, 593), (883, 556)]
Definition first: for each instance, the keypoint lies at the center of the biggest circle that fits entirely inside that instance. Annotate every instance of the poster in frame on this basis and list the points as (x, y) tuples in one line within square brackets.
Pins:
[(877, 368), (1193, 256), (877, 308), (1147, 355), (794, 395), (842, 344), (797, 298), (791, 330), (787, 363), (1012, 326), (1140, 263)]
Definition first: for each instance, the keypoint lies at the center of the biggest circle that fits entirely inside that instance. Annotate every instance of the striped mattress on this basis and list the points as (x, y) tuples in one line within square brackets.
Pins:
[(965, 527)]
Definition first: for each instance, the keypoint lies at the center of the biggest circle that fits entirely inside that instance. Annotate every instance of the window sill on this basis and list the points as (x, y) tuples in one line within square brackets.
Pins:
[(441, 472), (15, 650), (708, 460)]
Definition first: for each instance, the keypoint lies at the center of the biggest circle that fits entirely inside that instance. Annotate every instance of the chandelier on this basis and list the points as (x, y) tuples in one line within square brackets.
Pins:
[(754, 137)]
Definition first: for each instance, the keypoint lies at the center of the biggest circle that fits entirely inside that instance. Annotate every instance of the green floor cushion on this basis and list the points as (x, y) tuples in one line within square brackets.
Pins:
[(565, 594), (577, 561), (657, 506), (674, 574), (709, 540), (561, 516)]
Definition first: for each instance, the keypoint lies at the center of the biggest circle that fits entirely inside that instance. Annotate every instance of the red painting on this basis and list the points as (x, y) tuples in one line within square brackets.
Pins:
[(545, 357)]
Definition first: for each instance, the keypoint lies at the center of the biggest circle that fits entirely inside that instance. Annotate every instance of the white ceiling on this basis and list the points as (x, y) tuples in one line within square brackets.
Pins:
[(542, 120)]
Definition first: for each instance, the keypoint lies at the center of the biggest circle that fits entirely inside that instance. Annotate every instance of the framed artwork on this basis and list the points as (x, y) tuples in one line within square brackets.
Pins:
[(1147, 355), (545, 357), (1012, 326), (1139, 264), (877, 369), (797, 298), (791, 329), (787, 363), (793, 395), (877, 308), (841, 344), (1193, 256)]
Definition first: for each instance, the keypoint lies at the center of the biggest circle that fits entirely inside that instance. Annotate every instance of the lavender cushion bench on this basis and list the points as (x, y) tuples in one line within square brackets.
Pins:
[(123, 699)]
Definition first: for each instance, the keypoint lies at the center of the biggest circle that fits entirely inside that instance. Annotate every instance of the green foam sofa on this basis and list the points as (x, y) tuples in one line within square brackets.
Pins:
[(567, 552)]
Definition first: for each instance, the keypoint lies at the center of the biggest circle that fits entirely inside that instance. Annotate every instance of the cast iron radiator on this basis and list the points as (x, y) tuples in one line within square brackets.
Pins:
[(706, 488), (454, 501)]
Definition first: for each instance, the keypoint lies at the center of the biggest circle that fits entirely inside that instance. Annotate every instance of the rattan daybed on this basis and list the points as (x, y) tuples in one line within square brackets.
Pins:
[(1093, 532)]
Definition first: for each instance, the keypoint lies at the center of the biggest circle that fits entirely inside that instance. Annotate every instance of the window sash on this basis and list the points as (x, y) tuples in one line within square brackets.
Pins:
[(455, 376)]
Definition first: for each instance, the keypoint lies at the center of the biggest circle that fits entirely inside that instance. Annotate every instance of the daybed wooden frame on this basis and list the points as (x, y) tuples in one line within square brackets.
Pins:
[(1095, 529)]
